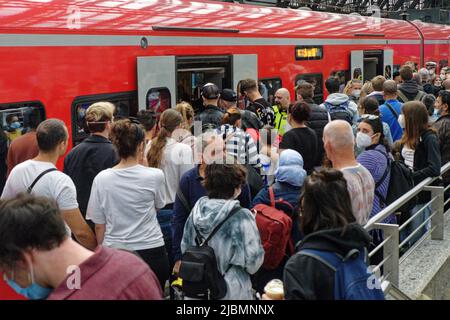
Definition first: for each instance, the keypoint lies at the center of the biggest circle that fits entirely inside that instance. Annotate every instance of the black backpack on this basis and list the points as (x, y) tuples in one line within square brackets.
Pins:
[(198, 269), (400, 183)]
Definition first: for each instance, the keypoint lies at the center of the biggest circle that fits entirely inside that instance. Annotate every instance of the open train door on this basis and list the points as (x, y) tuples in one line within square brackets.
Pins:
[(388, 60), (245, 66), (156, 82), (357, 64)]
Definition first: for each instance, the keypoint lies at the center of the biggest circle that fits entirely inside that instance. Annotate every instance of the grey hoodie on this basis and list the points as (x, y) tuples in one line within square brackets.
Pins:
[(237, 244), (340, 98)]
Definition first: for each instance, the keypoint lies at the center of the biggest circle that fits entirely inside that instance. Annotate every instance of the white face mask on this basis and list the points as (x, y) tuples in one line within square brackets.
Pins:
[(401, 121), (363, 140), (356, 93)]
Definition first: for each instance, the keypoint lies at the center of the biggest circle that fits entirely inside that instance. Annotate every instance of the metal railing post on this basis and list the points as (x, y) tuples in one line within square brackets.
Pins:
[(437, 206), (391, 266)]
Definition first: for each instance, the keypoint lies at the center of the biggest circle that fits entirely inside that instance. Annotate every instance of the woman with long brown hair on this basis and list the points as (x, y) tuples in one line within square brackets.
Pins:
[(419, 148), (174, 159)]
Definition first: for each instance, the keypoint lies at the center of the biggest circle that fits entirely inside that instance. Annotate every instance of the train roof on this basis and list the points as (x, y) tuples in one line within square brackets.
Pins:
[(164, 17)]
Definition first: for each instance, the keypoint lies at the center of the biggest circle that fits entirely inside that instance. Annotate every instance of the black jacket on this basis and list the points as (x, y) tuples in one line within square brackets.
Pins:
[(410, 89), (427, 161), (306, 278), (85, 161), (317, 121), (211, 115), (379, 97), (428, 88), (442, 126), (427, 157), (3, 157)]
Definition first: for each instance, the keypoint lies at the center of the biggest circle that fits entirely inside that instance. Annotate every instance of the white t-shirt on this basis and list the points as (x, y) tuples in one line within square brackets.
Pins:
[(408, 155), (125, 200), (55, 184), (176, 160)]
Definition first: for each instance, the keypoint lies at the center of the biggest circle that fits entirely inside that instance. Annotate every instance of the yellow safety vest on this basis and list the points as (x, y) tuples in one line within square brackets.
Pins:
[(280, 120)]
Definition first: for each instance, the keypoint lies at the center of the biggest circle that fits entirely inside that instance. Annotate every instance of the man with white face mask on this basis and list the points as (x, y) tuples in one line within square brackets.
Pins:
[(391, 109)]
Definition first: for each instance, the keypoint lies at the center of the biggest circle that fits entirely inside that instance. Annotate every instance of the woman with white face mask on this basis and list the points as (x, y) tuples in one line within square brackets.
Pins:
[(376, 159)]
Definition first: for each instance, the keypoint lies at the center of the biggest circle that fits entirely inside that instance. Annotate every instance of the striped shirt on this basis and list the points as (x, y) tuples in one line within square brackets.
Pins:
[(376, 163), (240, 145)]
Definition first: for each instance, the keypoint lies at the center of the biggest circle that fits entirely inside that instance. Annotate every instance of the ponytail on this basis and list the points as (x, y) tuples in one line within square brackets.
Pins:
[(170, 120), (231, 116)]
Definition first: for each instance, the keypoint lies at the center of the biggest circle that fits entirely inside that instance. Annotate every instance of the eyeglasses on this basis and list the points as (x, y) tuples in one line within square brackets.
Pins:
[(369, 117)]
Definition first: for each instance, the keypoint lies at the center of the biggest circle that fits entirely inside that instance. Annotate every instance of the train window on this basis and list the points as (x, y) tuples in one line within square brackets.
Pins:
[(20, 117), (158, 100), (316, 79), (268, 87), (126, 104), (343, 76)]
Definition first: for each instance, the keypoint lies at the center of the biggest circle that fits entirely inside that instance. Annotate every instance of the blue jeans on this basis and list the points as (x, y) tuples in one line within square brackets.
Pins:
[(414, 224), (164, 217)]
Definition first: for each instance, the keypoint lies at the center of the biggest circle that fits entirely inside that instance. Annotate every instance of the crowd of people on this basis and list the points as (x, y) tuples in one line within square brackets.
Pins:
[(144, 199)]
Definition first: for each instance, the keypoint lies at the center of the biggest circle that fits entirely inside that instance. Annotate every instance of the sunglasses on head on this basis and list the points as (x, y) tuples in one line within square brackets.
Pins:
[(369, 117)]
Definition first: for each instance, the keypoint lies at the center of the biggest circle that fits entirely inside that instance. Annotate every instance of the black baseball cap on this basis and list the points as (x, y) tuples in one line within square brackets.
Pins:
[(210, 91), (228, 95)]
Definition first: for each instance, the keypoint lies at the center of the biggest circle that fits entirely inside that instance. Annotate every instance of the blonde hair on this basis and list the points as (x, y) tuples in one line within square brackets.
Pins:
[(349, 85), (99, 111), (187, 112), (98, 114), (366, 89)]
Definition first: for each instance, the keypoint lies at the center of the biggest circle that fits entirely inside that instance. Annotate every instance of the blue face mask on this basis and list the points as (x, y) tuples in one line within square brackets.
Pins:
[(33, 291), (15, 125)]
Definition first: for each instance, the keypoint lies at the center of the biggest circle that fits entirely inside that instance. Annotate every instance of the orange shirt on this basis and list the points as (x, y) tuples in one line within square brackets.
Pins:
[(22, 149)]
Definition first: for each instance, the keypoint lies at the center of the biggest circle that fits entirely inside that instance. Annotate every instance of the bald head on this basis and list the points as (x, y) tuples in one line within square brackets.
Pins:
[(338, 135), (446, 85), (283, 98)]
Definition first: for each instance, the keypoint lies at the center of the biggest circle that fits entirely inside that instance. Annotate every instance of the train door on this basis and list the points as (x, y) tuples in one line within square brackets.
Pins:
[(164, 81), (156, 82), (366, 64)]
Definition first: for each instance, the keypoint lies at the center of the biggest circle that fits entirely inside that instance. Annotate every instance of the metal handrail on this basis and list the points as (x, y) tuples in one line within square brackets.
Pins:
[(393, 207), (391, 245)]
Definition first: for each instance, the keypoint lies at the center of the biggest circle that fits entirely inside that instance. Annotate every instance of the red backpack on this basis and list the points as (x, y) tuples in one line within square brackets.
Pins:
[(275, 231)]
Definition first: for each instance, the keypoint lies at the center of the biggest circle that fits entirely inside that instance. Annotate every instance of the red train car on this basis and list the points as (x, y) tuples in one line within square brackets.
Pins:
[(60, 56)]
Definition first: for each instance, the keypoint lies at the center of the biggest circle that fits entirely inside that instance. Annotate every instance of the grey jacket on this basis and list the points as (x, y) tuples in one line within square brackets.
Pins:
[(237, 244)]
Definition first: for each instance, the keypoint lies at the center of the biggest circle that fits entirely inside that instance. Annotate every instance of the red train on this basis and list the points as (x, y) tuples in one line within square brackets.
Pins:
[(60, 56)]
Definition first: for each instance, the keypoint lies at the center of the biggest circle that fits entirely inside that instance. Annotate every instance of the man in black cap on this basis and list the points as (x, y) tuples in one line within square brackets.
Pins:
[(228, 99), (212, 114)]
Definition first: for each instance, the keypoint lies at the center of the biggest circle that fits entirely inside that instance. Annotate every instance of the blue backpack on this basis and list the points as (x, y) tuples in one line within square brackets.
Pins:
[(352, 280), (340, 112)]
